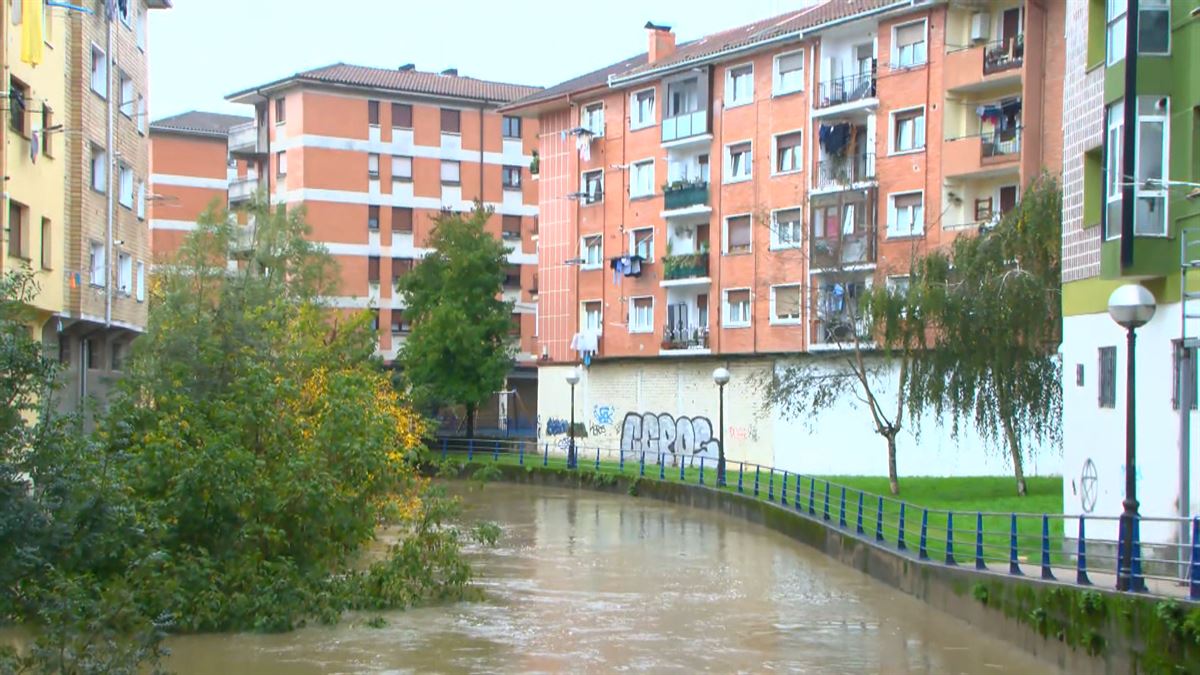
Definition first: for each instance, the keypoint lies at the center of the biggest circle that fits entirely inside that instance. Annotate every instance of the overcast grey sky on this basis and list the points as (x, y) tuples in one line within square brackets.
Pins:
[(204, 49)]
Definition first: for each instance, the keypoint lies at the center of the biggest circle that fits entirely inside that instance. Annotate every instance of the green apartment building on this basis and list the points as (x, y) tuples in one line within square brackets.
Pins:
[(1125, 221)]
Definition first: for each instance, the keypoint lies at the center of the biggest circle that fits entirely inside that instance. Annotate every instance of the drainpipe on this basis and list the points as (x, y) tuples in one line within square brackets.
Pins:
[(112, 161), (481, 165), (1129, 141)]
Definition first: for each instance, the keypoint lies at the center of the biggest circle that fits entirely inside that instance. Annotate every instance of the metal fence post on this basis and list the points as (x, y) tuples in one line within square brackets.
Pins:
[(1081, 575), (756, 480), (922, 551), (496, 452), (470, 449), (1046, 572), (662, 468), (900, 532), (642, 464), (1136, 581), (741, 489), (783, 490), (597, 459), (770, 484), (950, 538), (796, 496), (546, 454), (858, 521), (826, 507), (443, 447), (812, 490), (879, 521), (621, 461), (682, 471), (1194, 580), (842, 509), (702, 469), (1014, 565), (521, 454), (979, 563)]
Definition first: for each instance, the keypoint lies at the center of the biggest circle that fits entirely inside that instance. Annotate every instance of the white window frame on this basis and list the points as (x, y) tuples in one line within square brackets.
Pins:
[(799, 154), (1141, 189), (398, 162), (281, 163), (99, 76), (1149, 6), (1114, 31), (584, 242), (99, 167), (778, 88), (777, 320), (917, 228), (443, 173), (125, 185), (140, 199), (633, 242), (373, 165), (125, 274), (731, 98), (726, 318), (1114, 163), (139, 27), (509, 170), (141, 114), (646, 188), (584, 315), (727, 175), (636, 120), (583, 186), (125, 15), (725, 233), (639, 327), (126, 87), (140, 290), (99, 266), (918, 132), (896, 65), (776, 243), (588, 121)]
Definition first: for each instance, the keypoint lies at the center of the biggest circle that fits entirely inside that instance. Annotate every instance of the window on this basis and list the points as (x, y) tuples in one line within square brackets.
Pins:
[(511, 177), (399, 323), (451, 121), (373, 113), (127, 96), (123, 10), (785, 304), (1114, 149), (510, 227), (97, 265), (125, 186), (401, 168), (116, 355), (907, 215), (91, 358), (374, 320), (591, 117), (739, 85), (372, 165), (18, 106), (124, 274), (908, 130), (593, 252), (983, 210), (510, 127), (1008, 198), (281, 163), (47, 241), (140, 291), (402, 115), (451, 172), (683, 97), (908, 45), (641, 179), (1115, 16), (737, 234), (787, 152), (789, 73), (1154, 27), (788, 229), (737, 307), (141, 114), (1150, 213), (280, 110), (402, 219), (18, 237), (99, 169), (593, 186), (1108, 377), (400, 267), (592, 316), (641, 109), (373, 218), (139, 29), (99, 72), (641, 242), (641, 315), (47, 123), (373, 270), (702, 310), (737, 162)]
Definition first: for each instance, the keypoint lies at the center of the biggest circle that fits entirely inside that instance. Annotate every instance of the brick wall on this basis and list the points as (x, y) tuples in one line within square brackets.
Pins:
[(1083, 129)]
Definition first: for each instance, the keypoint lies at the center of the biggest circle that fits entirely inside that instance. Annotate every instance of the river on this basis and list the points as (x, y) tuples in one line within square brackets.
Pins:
[(590, 582)]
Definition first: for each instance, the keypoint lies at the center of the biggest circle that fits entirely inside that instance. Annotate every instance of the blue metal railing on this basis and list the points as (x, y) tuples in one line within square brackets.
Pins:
[(1049, 546)]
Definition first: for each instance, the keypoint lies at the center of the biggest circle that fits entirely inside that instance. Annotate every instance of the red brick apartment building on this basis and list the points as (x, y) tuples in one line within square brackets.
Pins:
[(373, 154), (695, 200)]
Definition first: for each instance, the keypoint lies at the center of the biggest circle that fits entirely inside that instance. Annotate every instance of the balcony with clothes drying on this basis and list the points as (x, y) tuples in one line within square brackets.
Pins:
[(983, 139), (984, 49), (843, 235), (686, 330), (845, 159), (838, 320)]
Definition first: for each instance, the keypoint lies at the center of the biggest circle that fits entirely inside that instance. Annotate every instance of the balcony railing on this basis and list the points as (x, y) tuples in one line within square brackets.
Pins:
[(847, 89), (684, 126), (242, 188), (681, 195), (840, 329), (685, 337), (1003, 55), (244, 138), (836, 252), (685, 266), (839, 171), (1001, 144)]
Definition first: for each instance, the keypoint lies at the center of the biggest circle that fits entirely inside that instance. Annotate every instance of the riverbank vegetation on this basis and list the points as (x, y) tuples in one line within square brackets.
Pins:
[(251, 451)]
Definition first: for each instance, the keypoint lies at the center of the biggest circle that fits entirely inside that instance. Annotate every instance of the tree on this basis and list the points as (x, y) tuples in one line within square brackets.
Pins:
[(459, 349), (993, 303)]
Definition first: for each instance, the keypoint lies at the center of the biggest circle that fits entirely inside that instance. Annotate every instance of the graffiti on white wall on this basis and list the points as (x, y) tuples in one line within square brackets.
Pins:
[(662, 433)]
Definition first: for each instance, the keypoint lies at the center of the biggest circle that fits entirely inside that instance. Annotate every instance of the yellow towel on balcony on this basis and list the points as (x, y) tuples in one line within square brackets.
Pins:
[(31, 31)]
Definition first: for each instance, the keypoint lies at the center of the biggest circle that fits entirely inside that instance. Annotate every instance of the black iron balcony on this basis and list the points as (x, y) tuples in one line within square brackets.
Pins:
[(683, 337), (847, 89), (1003, 55), (845, 171), (682, 194)]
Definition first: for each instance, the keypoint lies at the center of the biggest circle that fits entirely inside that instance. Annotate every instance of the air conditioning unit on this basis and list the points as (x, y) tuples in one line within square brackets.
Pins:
[(981, 26)]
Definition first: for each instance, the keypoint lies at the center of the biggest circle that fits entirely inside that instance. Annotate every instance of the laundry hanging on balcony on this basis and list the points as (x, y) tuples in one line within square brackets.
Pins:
[(626, 266), (835, 137), (586, 343), (1001, 115)]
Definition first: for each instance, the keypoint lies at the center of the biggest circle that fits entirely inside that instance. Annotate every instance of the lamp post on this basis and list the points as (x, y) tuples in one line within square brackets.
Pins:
[(721, 377), (572, 379), (1131, 306)]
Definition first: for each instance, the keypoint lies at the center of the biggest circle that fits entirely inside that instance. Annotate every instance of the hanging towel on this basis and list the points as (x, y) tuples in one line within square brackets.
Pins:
[(835, 137), (34, 145), (31, 31), (583, 143)]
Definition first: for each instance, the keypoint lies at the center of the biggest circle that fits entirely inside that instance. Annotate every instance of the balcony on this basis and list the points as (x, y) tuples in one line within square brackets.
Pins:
[(839, 319), (1003, 55), (685, 128), (684, 340), (242, 189), (990, 153), (843, 250), (686, 269), (841, 172), (245, 139), (847, 89), (684, 195), (985, 66)]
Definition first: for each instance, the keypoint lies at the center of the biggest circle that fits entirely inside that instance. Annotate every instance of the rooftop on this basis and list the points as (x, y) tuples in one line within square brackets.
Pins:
[(199, 123)]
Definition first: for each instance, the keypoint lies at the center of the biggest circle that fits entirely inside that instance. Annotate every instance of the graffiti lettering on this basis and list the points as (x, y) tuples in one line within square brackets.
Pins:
[(603, 414), (652, 434), (597, 430), (743, 433), (555, 426)]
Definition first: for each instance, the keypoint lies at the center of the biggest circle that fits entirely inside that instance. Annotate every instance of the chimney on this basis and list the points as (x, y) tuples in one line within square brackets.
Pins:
[(452, 72), (407, 67), (662, 41)]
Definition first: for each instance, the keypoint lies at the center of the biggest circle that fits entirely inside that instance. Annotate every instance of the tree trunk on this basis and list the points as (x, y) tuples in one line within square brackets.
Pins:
[(1014, 449), (893, 479), (470, 421)]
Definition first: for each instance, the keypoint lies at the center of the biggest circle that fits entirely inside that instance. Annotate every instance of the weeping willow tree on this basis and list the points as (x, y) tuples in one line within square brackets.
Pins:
[(993, 304)]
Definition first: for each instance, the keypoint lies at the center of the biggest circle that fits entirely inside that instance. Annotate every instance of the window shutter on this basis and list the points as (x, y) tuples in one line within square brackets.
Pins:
[(739, 232), (791, 62), (910, 34), (402, 115), (787, 301), (451, 121), (373, 269), (402, 219)]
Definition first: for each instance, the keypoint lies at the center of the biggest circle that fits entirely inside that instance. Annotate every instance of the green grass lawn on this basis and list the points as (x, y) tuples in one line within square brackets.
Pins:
[(972, 493)]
